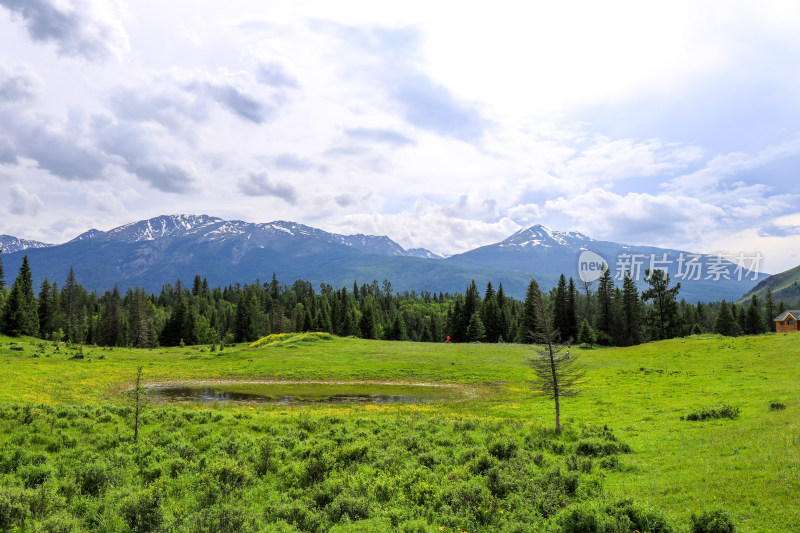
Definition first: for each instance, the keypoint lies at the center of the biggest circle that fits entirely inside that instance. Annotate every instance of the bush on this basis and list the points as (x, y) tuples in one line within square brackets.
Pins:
[(142, 511), (503, 449), (719, 411), (13, 507), (715, 521), (776, 406)]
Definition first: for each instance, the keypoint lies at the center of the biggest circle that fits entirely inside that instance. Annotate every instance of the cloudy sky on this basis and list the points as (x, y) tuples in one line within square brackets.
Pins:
[(671, 123)]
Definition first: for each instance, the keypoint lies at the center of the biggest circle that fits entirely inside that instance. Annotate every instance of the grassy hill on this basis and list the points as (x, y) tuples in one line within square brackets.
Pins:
[(749, 465), (785, 286)]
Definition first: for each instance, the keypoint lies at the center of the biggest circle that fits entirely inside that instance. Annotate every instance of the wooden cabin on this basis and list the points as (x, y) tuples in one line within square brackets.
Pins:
[(788, 321)]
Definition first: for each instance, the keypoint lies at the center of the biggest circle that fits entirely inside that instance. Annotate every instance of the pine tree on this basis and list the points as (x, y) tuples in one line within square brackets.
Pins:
[(769, 309), (21, 315), (754, 322), (71, 308), (631, 312), (368, 323), (586, 334), (570, 313), (45, 310), (139, 322), (2, 275), (475, 330), (112, 325), (529, 325), (503, 317), (665, 322), (397, 330), (604, 320), (560, 326), (491, 319), (725, 324)]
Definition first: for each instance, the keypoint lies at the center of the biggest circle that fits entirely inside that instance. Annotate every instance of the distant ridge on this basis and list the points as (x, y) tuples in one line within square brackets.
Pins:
[(159, 250), (9, 244)]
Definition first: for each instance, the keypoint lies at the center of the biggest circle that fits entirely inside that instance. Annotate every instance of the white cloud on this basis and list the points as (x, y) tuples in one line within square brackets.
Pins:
[(21, 202)]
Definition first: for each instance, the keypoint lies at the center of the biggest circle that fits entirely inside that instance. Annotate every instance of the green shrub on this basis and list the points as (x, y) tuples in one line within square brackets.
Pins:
[(13, 507), (719, 411), (142, 511), (714, 521), (92, 477), (776, 406), (503, 449)]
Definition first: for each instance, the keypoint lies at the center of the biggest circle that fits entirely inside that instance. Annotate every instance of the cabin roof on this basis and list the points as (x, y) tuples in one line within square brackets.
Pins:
[(794, 313)]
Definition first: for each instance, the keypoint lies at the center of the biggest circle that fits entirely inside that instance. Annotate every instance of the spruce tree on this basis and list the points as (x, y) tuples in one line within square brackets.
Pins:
[(491, 320), (112, 325), (604, 319), (570, 312), (754, 322), (586, 334), (725, 324), (71, 308), (631, 311), (45, 310), (2, 275), (665, 322), (21, 315), (560, 309), (769, 309), (475, 330), (529, 325), (503, 317)]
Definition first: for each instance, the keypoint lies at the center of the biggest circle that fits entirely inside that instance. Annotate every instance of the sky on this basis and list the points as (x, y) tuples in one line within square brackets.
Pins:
[(443, 126)]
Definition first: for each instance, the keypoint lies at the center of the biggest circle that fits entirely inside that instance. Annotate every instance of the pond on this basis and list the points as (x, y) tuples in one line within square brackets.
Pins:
[(302, 393)]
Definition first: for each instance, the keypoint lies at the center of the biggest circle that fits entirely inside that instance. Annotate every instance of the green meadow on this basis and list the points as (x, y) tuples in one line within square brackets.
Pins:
[(484, 459)]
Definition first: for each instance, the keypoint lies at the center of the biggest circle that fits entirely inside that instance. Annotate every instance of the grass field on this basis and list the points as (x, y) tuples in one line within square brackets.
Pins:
[(749, 465)]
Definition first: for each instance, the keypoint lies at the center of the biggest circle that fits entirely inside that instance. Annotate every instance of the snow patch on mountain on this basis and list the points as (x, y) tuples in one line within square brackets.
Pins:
[(10, 244)]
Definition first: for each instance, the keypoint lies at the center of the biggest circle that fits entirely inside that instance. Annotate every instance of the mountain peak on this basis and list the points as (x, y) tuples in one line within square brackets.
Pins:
[(540, 235), (10, 244)]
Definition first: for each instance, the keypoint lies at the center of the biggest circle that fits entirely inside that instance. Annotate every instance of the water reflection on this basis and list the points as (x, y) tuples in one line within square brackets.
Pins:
[(284, 394)]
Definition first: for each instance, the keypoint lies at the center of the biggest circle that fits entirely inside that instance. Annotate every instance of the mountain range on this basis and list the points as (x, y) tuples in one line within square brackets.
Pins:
[(151, 253)]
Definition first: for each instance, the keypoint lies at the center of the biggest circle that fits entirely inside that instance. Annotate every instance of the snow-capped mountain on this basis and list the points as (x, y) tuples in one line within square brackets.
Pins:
[(9, 244), (160, 250), (539, 235), (208, 228), (422, 252)]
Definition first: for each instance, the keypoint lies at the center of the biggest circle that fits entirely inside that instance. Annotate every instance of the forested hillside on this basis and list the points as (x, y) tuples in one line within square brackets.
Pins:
[(199, 314)]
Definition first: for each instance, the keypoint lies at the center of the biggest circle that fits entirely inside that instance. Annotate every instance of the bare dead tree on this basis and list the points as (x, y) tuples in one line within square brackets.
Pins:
[(556, 373), (140, 400)]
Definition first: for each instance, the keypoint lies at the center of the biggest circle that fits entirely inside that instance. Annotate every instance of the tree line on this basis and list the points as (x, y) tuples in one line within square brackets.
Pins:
[(179, 314)]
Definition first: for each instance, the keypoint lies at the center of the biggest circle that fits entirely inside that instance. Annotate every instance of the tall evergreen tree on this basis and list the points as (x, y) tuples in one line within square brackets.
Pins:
[(2, 275), (368, 324), (631, 312), (769, 309), (560, 327), (491, 320), (725, 324), (47, 310), (21, 315), (604, 319), (71, 308), (665, 322), (139, 320), (475, 330), (754, 322), (570, 312), (112, 320), (530, 325), (503, 317)]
